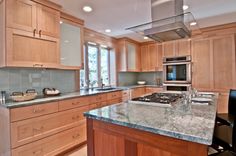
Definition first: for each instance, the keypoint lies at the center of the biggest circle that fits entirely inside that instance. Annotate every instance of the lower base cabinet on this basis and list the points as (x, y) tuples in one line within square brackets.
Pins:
[(223, 103), (55, 144)]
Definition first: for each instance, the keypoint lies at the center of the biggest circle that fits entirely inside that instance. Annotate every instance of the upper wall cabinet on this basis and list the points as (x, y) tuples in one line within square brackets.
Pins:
[(32, 34), (29, 16), (177, 48), (128, 56), (151, 57), (71, 42)]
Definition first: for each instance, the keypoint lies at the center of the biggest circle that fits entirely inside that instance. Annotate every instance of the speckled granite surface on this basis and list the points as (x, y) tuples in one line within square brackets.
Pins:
[(193, 123), (11, 104)]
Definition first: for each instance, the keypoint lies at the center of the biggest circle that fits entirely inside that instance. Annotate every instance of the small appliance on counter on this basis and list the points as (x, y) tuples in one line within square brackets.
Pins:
[(30, 94), (51, 92)]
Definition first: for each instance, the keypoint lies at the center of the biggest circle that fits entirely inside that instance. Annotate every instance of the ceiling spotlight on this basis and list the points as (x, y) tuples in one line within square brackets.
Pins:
[(193, 23), (61, 22), (185, 7), (145, 37), (87, 9), (108, 30)]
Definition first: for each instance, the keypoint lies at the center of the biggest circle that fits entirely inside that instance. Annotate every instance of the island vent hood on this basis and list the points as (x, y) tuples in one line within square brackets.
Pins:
[(169, 22)]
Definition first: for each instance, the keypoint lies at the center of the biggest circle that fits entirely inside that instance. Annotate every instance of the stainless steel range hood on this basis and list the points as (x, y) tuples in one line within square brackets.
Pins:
[(169, 22)]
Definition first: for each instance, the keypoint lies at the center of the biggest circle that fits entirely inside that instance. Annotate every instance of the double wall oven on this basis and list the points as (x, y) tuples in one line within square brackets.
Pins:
[(177, 73)]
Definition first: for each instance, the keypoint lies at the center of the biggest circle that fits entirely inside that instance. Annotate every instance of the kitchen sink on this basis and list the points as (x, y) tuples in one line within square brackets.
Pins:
[(105, 89)]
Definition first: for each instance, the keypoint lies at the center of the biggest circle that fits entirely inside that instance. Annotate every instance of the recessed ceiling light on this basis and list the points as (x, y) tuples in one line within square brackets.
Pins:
[(61, 22), (193, 23), (87, 8), (108, 30), (145, 37), (185, 7)]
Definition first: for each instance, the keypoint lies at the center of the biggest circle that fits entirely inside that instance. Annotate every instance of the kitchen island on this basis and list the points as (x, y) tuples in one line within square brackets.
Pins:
[(128, 129)]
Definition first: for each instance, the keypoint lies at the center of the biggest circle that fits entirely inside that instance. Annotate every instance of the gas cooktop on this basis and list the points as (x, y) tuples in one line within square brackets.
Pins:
[(160, 99)]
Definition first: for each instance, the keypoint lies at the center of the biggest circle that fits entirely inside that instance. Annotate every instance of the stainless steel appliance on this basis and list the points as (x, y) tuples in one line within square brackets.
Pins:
[(158, 99), (177, 70), (177, 87)]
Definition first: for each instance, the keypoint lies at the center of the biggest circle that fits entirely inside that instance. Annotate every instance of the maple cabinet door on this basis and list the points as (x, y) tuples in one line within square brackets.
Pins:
[(21, 14), (168, 49), (48, 21), (224, 62), (202, 64)]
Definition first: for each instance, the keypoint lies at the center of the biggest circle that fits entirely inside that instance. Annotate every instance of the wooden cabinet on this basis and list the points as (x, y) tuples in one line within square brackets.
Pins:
[(202, 64), (137, 92), (222, 106), (128, 56), (26, 50), (32, 35), (33, 111), (150, 90), (214, 63), (33, 17), (55, 144), (177, 48), (22, 14), (224, 63), (151, 57)]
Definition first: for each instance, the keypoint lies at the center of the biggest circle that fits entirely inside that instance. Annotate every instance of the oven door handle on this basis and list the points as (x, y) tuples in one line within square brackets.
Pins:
[(179, 63)]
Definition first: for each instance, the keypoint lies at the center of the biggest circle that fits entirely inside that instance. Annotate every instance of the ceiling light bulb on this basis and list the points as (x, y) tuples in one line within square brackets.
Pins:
[(193, 23), (185, 7), (108, 30), (61, 22), (146, 38), (87, 9)]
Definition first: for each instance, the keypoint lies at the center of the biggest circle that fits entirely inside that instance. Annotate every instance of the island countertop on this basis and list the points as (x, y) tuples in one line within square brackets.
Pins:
[(194, 123)]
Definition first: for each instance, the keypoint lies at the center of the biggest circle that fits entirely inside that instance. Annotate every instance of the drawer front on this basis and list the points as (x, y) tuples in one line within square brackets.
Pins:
[(97, 98), (114, 101), (94, 106), (153, 90), (73, 103), (113, 95), (126, 93), (30, 130), (53, 145), (33, 111)]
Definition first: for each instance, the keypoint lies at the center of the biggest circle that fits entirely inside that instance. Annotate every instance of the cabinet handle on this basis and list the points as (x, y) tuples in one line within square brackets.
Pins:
[(75, 117), (39, 129), (34, 32), (74, 104), (38, 151), (40, 33), (38, 65), (76, 136), (36, 110)]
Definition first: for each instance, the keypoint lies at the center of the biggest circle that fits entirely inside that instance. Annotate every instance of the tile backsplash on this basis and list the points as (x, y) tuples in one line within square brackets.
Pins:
[(16, 79), (131, 78)]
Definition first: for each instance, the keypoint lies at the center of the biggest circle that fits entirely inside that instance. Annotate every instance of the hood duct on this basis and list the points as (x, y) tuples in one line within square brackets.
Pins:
[(169, 22)]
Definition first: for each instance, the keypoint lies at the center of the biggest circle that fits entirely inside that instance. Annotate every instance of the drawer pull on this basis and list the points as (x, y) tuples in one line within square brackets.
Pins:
[(75, 117), (39, 129), (74, 104), (38, 110), (37, 152), (76, 136)]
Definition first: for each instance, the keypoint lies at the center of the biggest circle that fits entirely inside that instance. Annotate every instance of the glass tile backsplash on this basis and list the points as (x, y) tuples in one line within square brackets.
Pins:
[(12, 80)]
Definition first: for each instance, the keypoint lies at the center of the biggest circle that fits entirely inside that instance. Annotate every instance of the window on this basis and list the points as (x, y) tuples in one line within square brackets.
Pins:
[(97, 66)]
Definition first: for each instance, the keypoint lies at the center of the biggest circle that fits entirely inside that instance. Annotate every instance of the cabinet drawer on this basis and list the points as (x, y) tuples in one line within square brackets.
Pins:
[(33, 111), (97, 98), (153, 90), (30, 130), (73, 103), (113, 95), (55, 144), (114, 101)]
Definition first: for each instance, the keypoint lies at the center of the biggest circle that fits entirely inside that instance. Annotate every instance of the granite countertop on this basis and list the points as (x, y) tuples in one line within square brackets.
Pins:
[(41, 99), (12, 104), (189, 122)]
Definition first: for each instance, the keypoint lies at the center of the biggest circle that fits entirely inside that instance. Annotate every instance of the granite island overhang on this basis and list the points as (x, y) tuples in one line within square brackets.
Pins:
[(128, 129)]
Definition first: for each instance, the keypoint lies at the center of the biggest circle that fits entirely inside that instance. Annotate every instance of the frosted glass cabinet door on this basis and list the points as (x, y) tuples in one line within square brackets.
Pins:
[(131, 50), (70, 45)]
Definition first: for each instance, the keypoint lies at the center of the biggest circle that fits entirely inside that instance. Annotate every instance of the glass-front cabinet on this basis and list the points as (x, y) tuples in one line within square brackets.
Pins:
[(71, 44)]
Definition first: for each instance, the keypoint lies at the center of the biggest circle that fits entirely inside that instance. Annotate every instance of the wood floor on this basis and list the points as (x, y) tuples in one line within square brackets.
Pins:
[(78, 152)]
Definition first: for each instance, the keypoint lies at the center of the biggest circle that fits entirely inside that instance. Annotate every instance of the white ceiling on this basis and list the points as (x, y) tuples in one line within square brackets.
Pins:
[(120, 14)]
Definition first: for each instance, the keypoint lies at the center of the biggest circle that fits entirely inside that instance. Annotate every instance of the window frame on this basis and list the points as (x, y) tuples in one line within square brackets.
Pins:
[(86, 65)]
